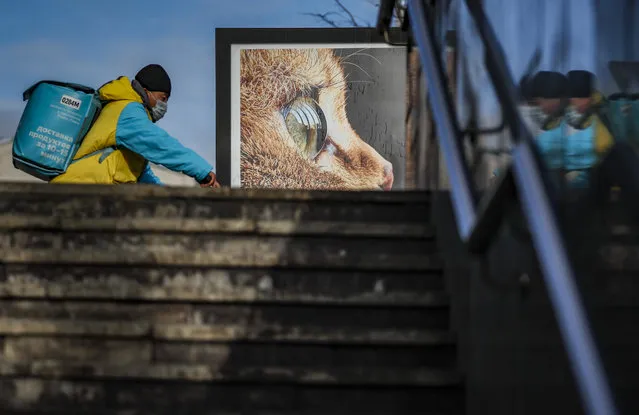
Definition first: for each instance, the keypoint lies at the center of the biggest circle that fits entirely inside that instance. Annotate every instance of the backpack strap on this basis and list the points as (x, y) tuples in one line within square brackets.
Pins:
[(105, 153)]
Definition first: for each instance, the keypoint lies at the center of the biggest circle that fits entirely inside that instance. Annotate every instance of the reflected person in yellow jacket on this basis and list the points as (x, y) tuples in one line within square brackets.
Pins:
[(125, 138), (588, 136)]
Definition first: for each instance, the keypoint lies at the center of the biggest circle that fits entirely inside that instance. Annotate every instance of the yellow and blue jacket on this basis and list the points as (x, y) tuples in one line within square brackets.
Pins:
[(578, 148), (123, 140)]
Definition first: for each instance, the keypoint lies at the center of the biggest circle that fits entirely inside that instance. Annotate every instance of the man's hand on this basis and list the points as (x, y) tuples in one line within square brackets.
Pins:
[(210, 181)]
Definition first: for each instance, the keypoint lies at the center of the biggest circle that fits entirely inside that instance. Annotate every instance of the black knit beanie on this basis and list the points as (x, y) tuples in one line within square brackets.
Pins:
[(581, 83), (154, 78), (550, 85)]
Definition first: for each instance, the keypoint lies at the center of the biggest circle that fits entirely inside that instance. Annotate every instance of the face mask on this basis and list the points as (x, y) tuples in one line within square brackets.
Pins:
[(159, 110), (538, 116), (574, 117)]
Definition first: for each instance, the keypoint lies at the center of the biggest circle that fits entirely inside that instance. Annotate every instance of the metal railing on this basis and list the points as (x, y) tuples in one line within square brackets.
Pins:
[(478, 220)]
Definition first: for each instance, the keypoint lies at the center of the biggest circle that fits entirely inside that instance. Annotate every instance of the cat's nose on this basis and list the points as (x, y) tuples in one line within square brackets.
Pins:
[(389, 177)]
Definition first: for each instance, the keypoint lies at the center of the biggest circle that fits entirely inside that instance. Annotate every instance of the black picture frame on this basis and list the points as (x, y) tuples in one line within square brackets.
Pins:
[(225, 38)]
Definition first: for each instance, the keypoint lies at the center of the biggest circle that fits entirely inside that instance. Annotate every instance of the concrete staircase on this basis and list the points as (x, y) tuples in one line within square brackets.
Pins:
[(149, 300)]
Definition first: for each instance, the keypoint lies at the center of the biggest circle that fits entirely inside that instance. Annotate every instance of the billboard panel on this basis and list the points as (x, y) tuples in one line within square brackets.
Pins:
[(316, 115)]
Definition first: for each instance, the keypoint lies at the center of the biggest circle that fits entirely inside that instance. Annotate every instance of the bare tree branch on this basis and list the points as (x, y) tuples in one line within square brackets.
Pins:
[(345, 13), (348, 13), (323, 17), (395, 17)]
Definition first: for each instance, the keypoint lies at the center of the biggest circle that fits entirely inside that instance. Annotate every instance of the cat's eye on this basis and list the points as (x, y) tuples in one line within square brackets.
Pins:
[(306, 124)]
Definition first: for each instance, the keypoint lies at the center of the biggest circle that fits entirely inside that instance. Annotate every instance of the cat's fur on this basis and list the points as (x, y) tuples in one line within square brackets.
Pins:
[(271, 78)]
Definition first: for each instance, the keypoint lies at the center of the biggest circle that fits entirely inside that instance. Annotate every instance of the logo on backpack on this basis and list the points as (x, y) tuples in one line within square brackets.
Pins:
[(70, 102)]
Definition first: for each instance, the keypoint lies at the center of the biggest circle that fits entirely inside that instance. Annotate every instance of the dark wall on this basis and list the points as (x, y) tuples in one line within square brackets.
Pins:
[(510, 348)]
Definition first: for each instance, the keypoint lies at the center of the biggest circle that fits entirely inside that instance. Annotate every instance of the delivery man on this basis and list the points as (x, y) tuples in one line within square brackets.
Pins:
[(124, 138)]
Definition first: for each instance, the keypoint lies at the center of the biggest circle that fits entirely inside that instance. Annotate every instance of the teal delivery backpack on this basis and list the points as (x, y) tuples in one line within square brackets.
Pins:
[(55, 120)]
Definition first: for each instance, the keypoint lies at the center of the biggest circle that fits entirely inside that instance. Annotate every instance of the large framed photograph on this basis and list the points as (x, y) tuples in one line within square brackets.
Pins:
[(310, 109)]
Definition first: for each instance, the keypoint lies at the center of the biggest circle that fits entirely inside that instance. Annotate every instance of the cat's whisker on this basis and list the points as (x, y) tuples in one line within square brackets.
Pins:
[(353, 54), (358, 67), (363, 54)]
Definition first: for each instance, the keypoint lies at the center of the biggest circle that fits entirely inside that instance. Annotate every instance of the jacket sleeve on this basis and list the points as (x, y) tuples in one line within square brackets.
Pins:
[(603, 138), (139, 134), (149, 177)]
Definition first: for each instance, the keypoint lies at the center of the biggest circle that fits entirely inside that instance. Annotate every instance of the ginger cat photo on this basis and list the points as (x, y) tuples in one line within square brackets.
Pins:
[(329, 119)]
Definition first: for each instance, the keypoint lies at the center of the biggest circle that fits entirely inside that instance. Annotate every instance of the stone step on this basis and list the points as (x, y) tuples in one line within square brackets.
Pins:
[(371, 376), (10, 222), (80, 201), (401, 289), (206, 322), (223, 333), (224, 356), (205, 398), (128, 191), (151, 300), (177, 249)]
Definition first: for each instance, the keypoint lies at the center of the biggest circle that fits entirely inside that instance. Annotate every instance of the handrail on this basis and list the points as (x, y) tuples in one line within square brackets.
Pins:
[(447, 129), (530, 178)]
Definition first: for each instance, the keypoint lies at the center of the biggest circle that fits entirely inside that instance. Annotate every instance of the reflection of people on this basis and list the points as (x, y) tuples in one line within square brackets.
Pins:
[(588, 136), (125, 138), (527, 106), (542, 101), (549, 95)]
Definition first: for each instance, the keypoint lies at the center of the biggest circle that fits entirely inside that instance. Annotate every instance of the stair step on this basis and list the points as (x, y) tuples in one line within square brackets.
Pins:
[(198, 226), (153, 300), (205, 398), (142, 191), (205, 373), (234, 355), (223, 285), (193, 322), (207, 411), (130, 248), (223, 333), (80, 201)]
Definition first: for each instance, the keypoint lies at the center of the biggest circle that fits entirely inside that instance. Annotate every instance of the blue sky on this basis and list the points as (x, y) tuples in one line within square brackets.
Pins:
[(92, 42)]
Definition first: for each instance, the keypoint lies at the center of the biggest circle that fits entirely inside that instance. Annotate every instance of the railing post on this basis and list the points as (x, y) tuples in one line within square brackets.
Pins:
[(447, 131)]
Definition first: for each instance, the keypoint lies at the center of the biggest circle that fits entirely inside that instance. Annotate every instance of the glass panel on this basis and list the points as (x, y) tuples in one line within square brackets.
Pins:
[(576, 63)]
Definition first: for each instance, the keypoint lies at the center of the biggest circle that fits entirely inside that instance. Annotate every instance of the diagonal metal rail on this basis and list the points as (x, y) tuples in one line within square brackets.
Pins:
[(527, 175)]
